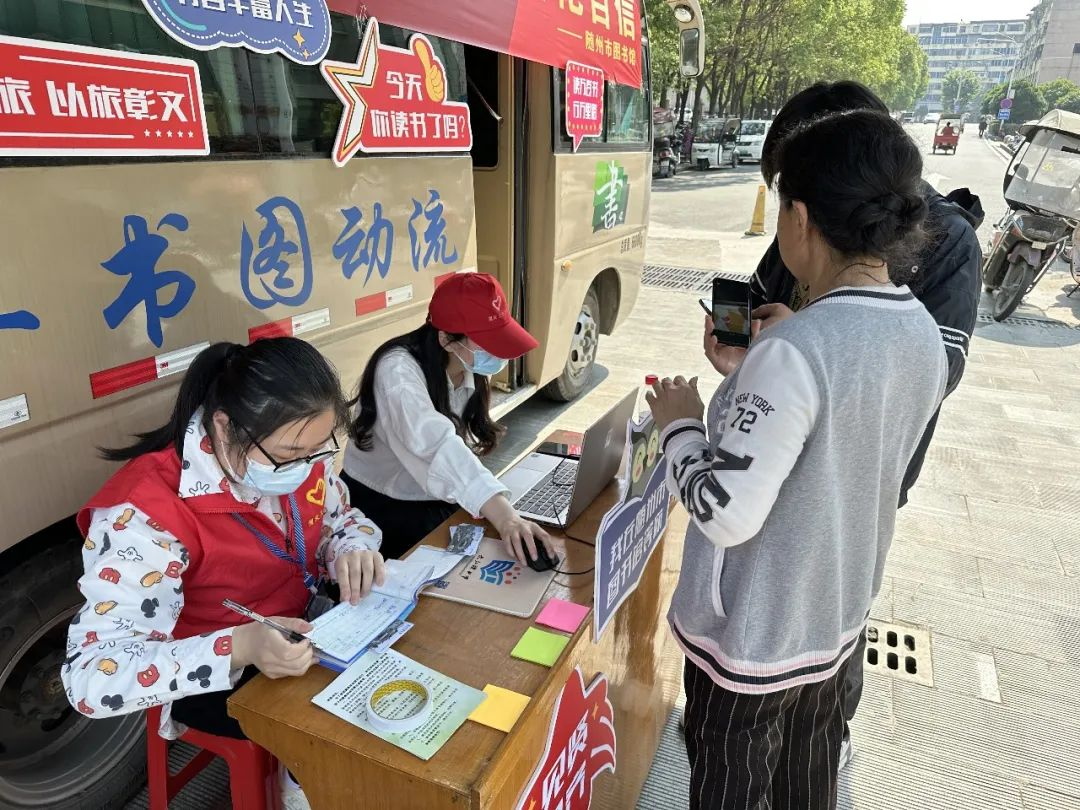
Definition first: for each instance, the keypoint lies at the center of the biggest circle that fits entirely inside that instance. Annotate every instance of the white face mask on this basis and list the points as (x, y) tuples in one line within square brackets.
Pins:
[(268, 481)]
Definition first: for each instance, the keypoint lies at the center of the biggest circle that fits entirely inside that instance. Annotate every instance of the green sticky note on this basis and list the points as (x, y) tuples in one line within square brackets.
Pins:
[(539, 646)]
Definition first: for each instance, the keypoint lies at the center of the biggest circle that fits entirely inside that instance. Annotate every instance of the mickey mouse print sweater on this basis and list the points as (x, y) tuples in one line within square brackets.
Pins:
[(792, 486), (125, 648)]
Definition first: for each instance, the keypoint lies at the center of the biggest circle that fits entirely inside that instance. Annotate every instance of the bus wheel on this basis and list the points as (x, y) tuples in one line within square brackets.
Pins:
[(578, 370), (50, 755)]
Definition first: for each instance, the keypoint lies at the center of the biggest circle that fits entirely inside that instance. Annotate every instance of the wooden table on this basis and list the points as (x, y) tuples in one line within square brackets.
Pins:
[(342, 766)]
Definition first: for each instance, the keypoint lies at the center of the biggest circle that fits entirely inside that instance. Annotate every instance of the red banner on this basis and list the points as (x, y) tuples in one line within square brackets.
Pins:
[(395, 100), (71, 100), (584, 102), (580, 746), (605, 33)]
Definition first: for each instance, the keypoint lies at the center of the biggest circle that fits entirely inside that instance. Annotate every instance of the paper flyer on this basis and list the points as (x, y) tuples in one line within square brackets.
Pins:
[(452, 701)]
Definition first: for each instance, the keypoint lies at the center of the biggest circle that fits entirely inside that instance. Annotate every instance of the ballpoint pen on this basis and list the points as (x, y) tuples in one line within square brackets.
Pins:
[(291, 635)]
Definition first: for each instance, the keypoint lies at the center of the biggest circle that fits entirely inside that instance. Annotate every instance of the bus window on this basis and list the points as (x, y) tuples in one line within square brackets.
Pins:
[(627, 117), (624, 111), (256, 104), (297, 111), (483, 70)]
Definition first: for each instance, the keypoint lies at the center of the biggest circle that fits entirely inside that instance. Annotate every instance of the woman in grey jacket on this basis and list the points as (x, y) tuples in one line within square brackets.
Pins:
[(792, 487)]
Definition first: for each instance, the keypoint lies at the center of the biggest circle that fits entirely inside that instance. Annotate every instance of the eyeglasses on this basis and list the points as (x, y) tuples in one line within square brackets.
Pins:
[(293, 463)]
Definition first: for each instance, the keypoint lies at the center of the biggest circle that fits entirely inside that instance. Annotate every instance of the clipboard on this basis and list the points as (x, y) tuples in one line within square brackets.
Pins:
[(493, 580)]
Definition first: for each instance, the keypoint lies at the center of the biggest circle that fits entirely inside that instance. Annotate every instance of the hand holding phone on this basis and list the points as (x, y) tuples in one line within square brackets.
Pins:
[(730, 312), (725, 359)]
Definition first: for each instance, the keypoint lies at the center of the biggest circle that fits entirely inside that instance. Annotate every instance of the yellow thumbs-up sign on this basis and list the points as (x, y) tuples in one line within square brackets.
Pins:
[(434, 80)]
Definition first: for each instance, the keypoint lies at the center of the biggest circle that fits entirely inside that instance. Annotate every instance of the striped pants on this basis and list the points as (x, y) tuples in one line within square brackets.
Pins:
[(776, 751)]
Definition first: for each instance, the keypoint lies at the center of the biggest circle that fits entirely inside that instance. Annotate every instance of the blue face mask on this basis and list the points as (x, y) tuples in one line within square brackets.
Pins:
[(266, 480), (484, 363)]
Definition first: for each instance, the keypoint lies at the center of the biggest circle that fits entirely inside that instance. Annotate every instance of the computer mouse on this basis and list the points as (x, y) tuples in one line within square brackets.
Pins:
[(543, 561)]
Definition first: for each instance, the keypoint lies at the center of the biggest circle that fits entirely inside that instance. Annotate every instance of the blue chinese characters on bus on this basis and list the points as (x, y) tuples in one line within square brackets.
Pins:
[(299, 29), (20, 319), (358, 247), (432, 241), (282, 266), (138, 260)]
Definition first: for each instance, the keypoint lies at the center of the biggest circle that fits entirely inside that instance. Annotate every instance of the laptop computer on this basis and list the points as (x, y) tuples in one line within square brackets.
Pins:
[(556, 490)]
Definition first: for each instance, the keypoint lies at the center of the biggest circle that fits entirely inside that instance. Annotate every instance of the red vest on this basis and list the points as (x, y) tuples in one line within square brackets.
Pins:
[(226, 559)]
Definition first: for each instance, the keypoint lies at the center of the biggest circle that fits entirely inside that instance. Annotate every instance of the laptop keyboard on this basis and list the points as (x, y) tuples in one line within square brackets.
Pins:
[(551, 494)]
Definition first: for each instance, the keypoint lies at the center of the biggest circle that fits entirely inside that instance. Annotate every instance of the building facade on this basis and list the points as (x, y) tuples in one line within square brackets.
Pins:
[(988, 48), (1051, 49)]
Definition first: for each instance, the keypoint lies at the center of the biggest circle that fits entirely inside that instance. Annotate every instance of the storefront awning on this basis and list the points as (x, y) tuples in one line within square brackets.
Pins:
[(602, 33)]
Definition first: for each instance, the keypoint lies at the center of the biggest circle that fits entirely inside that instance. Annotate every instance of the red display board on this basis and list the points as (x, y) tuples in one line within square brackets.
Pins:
[(70, 100), (395, 100), (580, 746)]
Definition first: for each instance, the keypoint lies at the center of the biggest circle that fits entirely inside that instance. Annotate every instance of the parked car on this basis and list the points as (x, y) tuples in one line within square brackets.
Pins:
[(715, 143), (931, 118), (752, 139), (907, 118)]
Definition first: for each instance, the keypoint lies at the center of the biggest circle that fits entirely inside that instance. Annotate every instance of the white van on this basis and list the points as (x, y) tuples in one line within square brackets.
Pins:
[(715, 143), (752, 139)]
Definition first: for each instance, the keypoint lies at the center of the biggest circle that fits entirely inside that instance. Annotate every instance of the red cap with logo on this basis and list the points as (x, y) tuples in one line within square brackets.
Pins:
[(473, 304)]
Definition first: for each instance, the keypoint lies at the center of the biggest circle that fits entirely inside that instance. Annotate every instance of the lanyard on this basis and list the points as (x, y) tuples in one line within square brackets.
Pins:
[(298, 541)]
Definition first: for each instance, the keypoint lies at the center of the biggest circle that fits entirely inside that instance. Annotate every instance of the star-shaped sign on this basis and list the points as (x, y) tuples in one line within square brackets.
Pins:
[(344, 78)]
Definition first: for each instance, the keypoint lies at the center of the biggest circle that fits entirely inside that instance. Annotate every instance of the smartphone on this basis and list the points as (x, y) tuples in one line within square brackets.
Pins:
[(561, 449), (731, 307)]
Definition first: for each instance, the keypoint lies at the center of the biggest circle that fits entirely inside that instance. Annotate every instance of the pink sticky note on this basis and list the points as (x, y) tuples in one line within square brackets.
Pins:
[(562, 615)]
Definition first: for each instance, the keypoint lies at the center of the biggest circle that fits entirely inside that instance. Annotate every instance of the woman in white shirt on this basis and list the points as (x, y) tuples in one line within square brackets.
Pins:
[(422, 421)]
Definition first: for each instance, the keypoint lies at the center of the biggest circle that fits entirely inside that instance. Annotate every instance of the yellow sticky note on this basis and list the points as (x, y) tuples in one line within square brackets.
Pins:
[(500, 709)]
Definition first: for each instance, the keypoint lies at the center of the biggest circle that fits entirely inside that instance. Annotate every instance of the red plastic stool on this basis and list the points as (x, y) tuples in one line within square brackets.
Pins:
[(253, 780)]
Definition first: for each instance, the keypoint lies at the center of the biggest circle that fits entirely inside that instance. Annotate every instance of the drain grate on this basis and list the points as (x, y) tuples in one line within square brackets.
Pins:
[(901, 651), (1041, 323), (685, 278)]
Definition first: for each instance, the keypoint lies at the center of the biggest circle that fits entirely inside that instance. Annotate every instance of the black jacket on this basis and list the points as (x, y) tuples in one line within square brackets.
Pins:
[(948, 283)]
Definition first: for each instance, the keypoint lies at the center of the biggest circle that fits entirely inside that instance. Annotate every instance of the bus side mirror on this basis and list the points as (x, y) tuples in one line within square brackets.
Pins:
[(691, 37)]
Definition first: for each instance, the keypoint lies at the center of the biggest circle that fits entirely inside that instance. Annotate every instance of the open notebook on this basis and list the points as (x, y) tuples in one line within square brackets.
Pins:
[(348, 631)]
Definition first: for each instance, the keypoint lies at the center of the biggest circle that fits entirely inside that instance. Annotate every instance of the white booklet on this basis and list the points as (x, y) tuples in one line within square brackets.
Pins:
[(343, 634), (451, 701)]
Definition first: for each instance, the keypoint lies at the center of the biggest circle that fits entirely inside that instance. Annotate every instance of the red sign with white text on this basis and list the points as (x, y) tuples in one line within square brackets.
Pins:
[(395, 100), (584, 102), (580, 746), (605, 33), (71, 100)]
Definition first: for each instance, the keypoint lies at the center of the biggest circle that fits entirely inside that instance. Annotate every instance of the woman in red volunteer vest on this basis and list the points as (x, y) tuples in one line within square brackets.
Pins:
[(234, 497)]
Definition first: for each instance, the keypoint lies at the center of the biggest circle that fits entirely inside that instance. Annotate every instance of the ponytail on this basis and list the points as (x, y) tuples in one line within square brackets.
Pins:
[(260, 387)]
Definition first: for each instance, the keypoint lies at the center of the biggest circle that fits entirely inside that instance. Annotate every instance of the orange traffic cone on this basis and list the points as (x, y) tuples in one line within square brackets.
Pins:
[(757, 226)]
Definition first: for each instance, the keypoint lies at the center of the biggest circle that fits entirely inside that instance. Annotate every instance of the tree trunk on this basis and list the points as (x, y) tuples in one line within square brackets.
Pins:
[(684, 92), (697, 104), (714, 91)]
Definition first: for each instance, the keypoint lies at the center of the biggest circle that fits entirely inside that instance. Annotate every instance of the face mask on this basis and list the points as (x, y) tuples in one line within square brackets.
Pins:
[(484, 363), (284, 482)]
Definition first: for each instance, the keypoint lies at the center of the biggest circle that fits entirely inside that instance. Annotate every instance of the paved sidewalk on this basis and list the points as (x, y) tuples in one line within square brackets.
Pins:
[(987, 557)]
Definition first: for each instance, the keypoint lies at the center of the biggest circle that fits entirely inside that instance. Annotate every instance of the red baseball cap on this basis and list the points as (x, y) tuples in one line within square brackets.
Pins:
[(473, 304)]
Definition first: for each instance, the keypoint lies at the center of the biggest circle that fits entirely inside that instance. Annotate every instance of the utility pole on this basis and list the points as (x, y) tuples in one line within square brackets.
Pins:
[(1012, 70)]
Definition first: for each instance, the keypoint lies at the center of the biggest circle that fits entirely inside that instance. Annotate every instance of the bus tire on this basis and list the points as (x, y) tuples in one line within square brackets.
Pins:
[(578, 371), (65, 761)]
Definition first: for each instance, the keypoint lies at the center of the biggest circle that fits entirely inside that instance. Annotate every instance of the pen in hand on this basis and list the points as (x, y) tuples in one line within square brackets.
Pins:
[(291, 635)]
